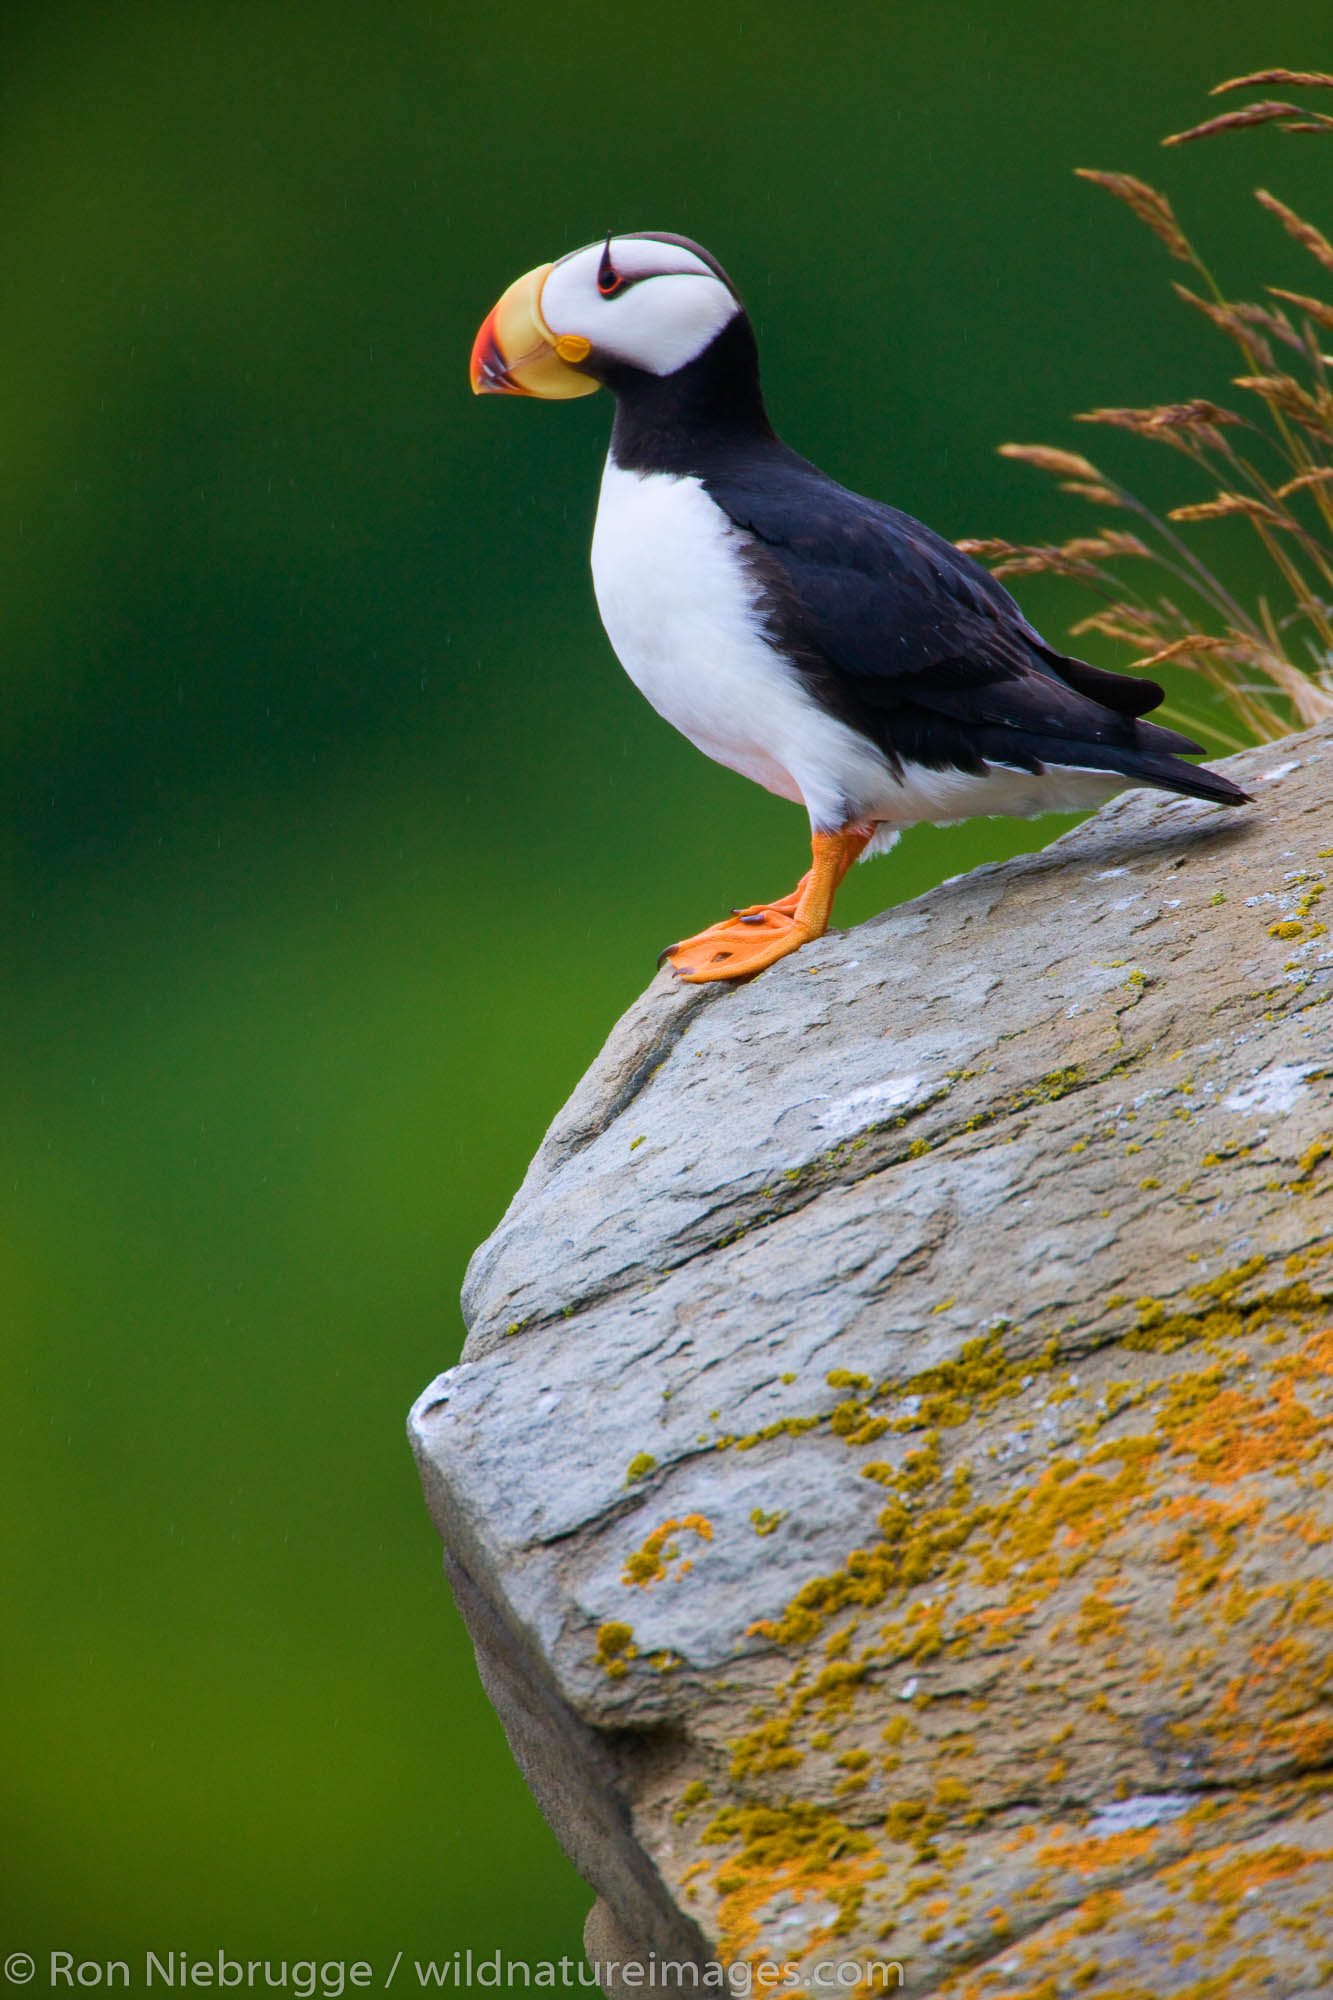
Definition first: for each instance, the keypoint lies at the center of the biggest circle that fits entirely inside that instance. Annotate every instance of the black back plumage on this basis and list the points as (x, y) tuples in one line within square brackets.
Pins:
[(892, 628)]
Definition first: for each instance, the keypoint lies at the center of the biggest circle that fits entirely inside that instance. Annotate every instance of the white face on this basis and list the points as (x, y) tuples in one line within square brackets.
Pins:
[(639, 300)]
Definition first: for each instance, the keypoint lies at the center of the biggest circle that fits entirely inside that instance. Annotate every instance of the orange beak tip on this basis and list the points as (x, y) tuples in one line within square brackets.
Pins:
[(487, 370)]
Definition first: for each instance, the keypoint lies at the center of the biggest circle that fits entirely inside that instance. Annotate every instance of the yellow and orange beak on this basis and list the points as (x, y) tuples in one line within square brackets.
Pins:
[(516, 354)]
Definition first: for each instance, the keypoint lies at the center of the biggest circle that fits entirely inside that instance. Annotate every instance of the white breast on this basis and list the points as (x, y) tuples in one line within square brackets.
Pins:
[(679, 608)]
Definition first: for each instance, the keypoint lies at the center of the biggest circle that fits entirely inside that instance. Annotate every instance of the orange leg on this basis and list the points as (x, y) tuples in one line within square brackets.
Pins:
[(752, 939)]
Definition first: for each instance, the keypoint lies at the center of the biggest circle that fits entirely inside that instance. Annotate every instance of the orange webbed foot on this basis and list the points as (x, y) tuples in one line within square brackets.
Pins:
[(750, 940), (744, 944)]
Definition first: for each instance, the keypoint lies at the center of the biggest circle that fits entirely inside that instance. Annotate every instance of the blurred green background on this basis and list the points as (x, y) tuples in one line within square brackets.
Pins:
[(336, 840)]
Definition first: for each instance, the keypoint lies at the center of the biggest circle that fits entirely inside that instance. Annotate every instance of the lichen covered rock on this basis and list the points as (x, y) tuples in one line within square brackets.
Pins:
[(887, 1475)]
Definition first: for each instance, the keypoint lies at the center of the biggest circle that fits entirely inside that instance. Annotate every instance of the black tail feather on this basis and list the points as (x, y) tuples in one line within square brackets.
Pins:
[(1147, 766), (1126, 694), (1196, 781), (1139, 762)]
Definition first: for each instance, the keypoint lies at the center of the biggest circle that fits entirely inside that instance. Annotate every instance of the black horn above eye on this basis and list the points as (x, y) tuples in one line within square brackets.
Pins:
[(609, 280)]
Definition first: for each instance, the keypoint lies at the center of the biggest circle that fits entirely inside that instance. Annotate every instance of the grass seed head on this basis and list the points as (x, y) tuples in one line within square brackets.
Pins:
[(1064, 464), (1269, 681), (1149, 206), (1253, 114), (1317, 309), (1305, 233), (1284, 79), (1283, 392), (1228, 503), (1320, 476)]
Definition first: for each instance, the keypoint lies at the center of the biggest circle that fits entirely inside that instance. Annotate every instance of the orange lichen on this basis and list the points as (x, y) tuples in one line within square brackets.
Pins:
[(1177, 1477), (1223, 1874), (805, 1851), (648, 1564), (1097, 1854), (1230, 1433), (1311, 1362), (1208, 1537)]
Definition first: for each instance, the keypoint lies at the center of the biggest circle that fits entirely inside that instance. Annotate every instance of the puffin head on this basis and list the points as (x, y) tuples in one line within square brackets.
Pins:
[(635, 306)]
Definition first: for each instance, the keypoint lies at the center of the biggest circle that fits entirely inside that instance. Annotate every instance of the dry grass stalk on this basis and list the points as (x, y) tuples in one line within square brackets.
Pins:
[(1192, 645), (1305, 233), (1253, 114), (1034, 558), (1105, 496), (1184, 425), (1259, 321), (1270, 664), (1314, 411), (1315, 478), (1147, 204), (1314, 309), (1287, 79), (1227, 503), (1064, 464)]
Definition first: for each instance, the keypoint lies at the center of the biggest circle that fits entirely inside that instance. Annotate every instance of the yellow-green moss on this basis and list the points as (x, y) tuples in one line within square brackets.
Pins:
[(1209, 1426), (694, 1794), (615, 1647)]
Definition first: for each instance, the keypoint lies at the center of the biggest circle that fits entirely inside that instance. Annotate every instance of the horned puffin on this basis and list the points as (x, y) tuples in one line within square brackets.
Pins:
[(826, 645)]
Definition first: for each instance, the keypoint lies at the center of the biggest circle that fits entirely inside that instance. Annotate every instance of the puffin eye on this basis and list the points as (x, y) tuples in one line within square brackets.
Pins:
[(609, 280)]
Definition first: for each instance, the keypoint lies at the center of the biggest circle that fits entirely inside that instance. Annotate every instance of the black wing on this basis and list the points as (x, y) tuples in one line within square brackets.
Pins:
[(919, 647)]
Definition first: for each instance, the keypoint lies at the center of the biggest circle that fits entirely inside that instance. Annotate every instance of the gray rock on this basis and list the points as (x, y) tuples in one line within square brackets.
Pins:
[(886, 1477)]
